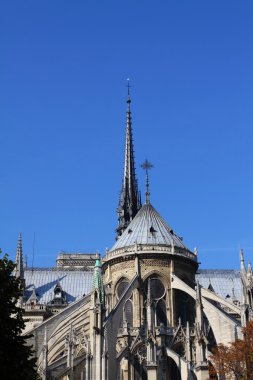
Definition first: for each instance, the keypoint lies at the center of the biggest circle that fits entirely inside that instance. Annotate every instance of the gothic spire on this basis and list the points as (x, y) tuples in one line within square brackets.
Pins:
[(243, 269), (19, 270), (97, 282), (129, 202)]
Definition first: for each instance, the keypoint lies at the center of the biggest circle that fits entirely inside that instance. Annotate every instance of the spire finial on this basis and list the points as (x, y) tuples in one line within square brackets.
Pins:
[(147, 166), (128, 100), (241, 255), (128, 88), (242, 264)]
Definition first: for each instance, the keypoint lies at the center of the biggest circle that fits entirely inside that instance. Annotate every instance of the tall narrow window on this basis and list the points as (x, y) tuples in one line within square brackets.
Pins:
[(129, 312), (158, 303), (161, 313), (121, 287)]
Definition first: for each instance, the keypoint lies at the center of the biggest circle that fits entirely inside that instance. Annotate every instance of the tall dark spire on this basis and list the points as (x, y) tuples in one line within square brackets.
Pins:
[(130, 200), (19, 270)]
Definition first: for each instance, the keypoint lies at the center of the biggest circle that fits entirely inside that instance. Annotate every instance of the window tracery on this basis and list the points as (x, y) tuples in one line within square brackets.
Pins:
[(158, 300), (121, 287)]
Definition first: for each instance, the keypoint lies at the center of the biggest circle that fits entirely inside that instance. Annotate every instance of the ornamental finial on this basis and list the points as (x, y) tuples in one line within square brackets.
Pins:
[(128, 87), (128, 94), (147, 166)]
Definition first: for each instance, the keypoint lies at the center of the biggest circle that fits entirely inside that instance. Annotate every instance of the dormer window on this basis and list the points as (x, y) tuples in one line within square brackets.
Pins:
[(32, 300), (59, 296)]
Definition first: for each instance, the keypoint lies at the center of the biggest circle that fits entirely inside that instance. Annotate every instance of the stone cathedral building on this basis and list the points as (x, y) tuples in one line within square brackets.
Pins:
[(143, 311)]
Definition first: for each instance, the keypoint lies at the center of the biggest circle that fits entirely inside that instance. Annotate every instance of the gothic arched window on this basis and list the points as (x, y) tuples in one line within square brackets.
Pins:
[(128, 311), (184, 307), (121, 287), (161, 313), (158, 300), (157, 288), (140, 363)]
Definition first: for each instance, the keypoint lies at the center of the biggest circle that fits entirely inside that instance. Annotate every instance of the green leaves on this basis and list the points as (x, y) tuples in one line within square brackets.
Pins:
[(16, 361)]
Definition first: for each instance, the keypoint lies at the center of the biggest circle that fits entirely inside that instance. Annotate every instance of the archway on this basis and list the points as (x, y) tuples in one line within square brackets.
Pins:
[(172, 371), (184, 307)]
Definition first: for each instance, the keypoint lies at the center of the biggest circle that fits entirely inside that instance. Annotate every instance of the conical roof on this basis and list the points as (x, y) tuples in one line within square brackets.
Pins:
[(148, 227)]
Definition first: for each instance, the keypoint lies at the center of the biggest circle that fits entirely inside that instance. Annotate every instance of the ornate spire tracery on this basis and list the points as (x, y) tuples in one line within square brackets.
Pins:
[(130, 200)]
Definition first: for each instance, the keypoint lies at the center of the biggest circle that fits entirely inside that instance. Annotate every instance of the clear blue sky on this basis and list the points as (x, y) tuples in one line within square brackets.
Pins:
[(63, 70)]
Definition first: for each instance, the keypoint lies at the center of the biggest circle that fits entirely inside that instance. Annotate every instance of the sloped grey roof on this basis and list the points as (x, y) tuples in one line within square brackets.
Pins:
[(222, 281), (148, 227), (75, 283)]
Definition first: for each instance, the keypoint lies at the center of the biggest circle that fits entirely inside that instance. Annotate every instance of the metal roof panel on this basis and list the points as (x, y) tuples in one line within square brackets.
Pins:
[(148, 227), (75, 283)]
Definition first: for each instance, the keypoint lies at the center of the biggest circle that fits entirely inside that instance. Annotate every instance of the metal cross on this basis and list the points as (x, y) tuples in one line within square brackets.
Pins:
[(146, 166)]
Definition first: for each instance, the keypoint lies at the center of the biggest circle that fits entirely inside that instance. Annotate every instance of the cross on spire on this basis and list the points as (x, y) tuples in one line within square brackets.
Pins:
[(147, 166), (128, 87)]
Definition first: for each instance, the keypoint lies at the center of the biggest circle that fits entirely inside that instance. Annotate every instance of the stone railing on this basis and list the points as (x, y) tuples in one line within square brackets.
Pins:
[(39, 307), (140, 248), (134, 331)]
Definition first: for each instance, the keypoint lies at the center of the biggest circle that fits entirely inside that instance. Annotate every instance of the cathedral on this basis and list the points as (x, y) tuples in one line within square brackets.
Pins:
[(143, 311)]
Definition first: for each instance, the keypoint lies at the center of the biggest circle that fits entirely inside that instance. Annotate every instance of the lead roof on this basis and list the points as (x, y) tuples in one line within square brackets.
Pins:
[(225, 283), (76, 283), (148, 227)]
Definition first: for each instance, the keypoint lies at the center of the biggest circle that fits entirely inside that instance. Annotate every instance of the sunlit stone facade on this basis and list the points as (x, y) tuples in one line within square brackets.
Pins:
[(143, 311)]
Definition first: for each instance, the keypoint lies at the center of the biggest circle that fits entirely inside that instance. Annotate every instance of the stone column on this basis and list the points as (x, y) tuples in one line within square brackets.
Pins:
[(152, 371)]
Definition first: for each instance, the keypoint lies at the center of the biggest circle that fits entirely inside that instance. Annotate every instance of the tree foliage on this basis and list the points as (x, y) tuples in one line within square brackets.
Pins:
[(16, 361), (235, 361)]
